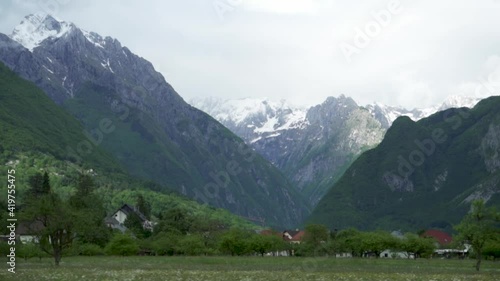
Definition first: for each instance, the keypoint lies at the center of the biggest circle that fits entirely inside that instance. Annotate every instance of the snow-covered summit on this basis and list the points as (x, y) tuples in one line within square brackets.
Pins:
[(259, 115), (459, 101), (386, 114), (36, 28)]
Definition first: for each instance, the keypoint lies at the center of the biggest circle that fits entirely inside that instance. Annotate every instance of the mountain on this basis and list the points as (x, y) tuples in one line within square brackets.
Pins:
[(130, 111), (313, 146), (423, 174), (386, 114), (30, 121), (35, 133)]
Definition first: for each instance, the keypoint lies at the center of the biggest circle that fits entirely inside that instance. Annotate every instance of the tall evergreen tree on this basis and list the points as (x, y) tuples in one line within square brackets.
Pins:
[(36, 183), (143, 206), (91, 212)]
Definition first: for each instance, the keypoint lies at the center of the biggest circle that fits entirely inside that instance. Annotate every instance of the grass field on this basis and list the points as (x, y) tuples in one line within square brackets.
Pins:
[(248, 268)]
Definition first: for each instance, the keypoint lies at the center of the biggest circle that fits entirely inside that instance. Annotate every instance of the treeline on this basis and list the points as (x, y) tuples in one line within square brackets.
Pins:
[(75, 225), (319, 241)]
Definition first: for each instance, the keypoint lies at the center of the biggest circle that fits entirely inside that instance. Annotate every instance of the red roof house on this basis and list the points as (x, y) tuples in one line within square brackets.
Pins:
[(441, 237), (293, 236)]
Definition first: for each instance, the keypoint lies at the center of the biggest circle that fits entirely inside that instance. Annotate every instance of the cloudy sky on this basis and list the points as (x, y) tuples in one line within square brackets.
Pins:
[(409, 53)]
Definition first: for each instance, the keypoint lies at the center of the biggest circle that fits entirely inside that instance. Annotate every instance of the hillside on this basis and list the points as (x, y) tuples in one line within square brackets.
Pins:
[(35, 135), (423, 174)]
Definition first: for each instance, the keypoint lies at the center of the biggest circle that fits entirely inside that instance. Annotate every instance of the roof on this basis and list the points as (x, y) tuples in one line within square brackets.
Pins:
[(293, 235), (25, 228), (128, 209), (442, 238), (270, 232), (114, 224), (111, 221)]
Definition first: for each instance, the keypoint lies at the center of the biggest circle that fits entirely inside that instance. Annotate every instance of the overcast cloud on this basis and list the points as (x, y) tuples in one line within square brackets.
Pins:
[(296, 49)]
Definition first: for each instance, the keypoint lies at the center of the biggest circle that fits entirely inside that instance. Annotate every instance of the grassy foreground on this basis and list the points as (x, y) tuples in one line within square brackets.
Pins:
[(248, 268)]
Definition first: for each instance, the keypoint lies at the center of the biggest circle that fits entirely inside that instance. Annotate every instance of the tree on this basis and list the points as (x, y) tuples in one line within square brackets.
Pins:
[(263, 244), (235, 242), (175, 218), (90, 210), (56, 220), (314, 240), (418, 246), (134, 223), (143, 206), (315, 234), (478, 227), (377, 242), (348, 240), (165, 243), (122, 245), (191, 245)]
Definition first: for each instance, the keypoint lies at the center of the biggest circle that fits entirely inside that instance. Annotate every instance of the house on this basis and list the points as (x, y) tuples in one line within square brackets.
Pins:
[(293, 236), (26, 232), (442, 238), (117, 219), (390, 253)]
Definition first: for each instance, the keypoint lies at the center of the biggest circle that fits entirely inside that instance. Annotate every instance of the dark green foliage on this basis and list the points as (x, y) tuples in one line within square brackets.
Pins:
[(143, 206), (492, 247), (91, 250), (90, 212), (417, 245), (29, 250), (122, 245), (479, 227), (263, 244), (30, 121), (135, 225), (191, 245), (165, 243), (235, 242), (175, 219), (51, 219)]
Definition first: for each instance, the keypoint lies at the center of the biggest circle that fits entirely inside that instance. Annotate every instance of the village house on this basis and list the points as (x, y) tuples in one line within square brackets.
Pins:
[(443, 241), (442, 238), (117, 219), (26, 233), (293, 236)]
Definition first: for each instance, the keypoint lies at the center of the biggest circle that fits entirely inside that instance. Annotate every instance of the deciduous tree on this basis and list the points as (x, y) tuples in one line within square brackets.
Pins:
[(478, 227)]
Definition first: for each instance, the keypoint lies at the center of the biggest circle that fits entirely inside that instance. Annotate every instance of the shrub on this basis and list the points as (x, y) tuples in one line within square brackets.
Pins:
[(91, 250), (122, 245)]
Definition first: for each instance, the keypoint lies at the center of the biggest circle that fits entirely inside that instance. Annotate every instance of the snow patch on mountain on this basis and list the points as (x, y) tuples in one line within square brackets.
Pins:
[(36, 28)]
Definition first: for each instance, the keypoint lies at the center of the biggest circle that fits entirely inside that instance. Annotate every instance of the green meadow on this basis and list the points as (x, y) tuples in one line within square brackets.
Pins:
[(249, 268)]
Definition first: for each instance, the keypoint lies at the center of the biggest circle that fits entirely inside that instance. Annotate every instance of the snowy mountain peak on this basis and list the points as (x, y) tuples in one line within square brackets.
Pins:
[(459, 101), (36, 28), (253, 116), (386, 114)]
